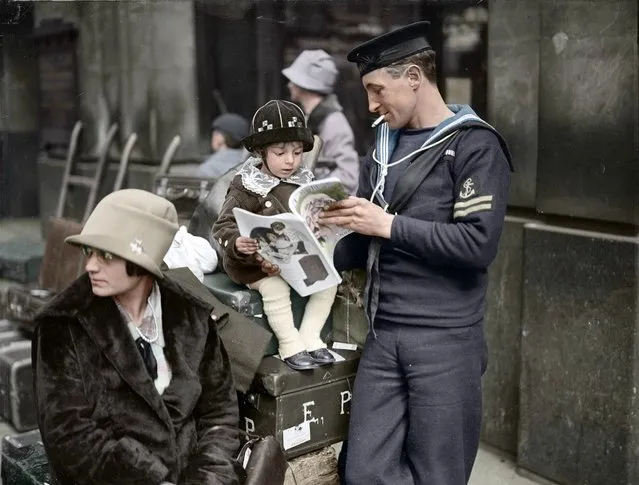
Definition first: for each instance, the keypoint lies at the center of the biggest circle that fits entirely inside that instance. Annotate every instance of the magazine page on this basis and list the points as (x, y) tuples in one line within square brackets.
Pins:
[(286, 241), (309, 200)]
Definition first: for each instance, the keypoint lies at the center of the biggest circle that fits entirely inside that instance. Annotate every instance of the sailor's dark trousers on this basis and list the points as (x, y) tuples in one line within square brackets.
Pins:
[(416, 409)]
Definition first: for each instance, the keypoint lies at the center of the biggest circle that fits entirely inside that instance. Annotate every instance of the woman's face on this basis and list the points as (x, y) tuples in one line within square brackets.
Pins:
[(283, 159), (107, 273)]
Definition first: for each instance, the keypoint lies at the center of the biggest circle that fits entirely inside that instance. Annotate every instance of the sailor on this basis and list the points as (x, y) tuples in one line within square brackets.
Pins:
[(428, 216)]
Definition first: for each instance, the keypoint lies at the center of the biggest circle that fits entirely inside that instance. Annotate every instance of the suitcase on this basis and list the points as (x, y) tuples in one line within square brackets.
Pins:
[(249, 302), (24, 303), (61, 265), (20, 260), (24, 461), (185, 192), (7, 325), (4, 302), (7, 337), (17, 399), (305, 411)]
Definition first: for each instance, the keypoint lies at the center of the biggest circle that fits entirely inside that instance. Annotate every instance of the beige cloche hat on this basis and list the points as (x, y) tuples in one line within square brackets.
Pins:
[(134, 224)]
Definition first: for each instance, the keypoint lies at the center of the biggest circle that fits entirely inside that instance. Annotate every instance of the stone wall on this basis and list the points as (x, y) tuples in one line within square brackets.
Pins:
[(136, 64), (579, 357), (562, 307)]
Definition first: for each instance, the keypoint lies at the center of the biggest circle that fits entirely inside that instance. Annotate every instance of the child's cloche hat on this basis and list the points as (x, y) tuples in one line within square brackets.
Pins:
[(278, 121)]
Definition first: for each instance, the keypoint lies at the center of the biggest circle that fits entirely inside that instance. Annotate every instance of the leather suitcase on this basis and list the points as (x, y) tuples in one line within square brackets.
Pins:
[(17, 399), (249, 303), (24, 461), (4, 302), (61, 265), (6, 325), (24, 303), (7, 337), (20, 260), (305, 411), (185, 192)]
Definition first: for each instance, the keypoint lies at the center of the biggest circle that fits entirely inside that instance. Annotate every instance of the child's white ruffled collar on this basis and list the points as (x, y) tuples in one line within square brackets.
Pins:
[(260, 183)]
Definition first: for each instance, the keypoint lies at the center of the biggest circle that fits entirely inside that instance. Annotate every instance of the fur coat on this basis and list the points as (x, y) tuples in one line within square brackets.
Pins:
[(102, 420)]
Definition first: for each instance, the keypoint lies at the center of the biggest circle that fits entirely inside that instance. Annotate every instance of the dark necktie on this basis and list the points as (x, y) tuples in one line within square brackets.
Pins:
[(147, 355)]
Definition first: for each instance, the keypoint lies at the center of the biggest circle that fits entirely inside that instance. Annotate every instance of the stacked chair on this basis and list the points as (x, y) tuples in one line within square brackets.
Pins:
[(61, 264)]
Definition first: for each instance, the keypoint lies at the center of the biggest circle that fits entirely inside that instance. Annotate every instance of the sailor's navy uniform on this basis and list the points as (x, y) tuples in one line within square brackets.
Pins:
[(416, 410)]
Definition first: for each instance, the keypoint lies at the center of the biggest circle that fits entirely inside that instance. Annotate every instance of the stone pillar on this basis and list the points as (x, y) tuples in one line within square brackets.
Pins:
[(588, 106), (137, 68), (502, 324), (269, 50), (19, 121), (513, 92), (513, 88)]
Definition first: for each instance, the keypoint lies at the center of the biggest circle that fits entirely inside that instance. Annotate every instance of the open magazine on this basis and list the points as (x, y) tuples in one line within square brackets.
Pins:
[(295, 241)]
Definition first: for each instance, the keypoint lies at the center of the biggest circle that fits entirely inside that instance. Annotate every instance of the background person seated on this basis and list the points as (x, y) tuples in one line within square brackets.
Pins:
[(226, 142)]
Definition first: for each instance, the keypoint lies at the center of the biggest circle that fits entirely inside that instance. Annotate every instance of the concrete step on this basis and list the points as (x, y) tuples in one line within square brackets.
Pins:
[(493, 467)]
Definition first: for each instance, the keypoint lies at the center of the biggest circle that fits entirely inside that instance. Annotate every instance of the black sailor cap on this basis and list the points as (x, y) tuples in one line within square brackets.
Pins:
[(390, 47)]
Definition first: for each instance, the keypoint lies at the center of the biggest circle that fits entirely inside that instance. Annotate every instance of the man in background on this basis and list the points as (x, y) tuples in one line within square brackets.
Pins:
[(312, 78), (226, 142)]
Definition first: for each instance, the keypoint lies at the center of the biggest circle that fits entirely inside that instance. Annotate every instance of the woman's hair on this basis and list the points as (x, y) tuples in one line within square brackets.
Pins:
[(133, 269)]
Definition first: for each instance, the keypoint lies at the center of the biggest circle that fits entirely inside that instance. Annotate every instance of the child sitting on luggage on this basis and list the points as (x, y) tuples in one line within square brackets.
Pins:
[(263, 185)]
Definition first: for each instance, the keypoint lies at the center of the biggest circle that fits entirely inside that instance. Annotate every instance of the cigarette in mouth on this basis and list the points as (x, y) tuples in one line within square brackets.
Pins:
[(377, 121)]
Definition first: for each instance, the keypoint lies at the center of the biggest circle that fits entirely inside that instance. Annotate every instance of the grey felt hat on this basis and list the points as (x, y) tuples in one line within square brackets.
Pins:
[(313, 70)]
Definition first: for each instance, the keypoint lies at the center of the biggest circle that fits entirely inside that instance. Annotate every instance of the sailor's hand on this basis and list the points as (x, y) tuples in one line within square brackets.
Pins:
[(359, 215), (269, 268), (246, 245)]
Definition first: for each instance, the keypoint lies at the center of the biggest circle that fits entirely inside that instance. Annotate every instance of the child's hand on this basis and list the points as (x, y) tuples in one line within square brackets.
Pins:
[(269, 268), (246, 245)]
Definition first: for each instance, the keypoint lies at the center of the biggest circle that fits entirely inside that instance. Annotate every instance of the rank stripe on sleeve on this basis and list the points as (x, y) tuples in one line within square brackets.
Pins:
[(476, 204)]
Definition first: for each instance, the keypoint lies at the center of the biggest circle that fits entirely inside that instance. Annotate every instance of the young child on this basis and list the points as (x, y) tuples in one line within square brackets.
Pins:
[(263, 185)]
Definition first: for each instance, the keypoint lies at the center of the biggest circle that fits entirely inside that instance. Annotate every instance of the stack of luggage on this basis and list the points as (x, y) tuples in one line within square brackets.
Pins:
[(24, 461)]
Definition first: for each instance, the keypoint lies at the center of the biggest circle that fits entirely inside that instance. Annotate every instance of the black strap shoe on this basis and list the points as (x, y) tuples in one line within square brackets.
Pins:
[(322, 356), (301, 361)]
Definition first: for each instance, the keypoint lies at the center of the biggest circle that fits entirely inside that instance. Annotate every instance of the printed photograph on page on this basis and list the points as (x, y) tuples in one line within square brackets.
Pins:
[(310, 200), (285, 241)]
